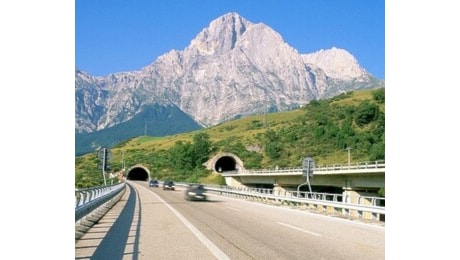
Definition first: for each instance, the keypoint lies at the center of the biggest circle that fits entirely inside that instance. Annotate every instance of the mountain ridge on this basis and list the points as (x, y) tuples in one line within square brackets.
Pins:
[(230, 69)]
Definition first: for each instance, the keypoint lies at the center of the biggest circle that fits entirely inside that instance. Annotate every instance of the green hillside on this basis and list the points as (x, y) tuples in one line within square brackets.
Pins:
[(163, 116), (322, 129)]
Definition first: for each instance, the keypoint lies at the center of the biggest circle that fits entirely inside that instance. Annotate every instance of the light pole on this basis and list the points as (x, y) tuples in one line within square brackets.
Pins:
[(123, 160), (349, 157)]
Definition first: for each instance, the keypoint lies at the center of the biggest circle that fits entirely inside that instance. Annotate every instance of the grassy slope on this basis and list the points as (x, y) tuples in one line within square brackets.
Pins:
[(240, 129)]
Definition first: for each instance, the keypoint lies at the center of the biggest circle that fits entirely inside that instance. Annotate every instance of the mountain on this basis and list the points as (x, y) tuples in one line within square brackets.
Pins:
[(155, 120), (230, 69)]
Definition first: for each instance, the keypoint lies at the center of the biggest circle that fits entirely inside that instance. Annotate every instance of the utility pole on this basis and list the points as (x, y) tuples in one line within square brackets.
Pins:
[(349, 156), (123, 160), (265, 113)]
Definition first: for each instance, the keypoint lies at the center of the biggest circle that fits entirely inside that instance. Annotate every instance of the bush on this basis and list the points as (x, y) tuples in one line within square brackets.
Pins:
[(366, 113), (379, 95)]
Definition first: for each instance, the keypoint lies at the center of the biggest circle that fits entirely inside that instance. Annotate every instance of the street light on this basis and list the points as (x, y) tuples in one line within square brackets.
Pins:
[(349, 158), (123, 160)]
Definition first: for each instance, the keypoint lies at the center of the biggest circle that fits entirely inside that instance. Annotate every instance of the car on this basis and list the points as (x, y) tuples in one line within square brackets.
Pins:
[(153, 183), (168, 185), (195, 192)]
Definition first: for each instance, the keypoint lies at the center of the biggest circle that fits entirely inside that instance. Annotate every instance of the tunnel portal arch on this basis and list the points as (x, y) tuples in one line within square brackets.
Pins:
[(224, 162), (138, 173)]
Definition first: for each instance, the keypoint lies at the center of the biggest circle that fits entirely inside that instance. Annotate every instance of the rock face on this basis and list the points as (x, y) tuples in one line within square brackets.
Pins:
[(232, 68)]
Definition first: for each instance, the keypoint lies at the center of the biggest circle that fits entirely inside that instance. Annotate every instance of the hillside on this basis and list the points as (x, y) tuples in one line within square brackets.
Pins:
[(231, 68), (154, 120), (321, 129)]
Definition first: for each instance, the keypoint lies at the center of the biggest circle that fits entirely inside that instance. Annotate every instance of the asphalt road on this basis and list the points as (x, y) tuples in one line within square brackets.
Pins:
[(151, 223)]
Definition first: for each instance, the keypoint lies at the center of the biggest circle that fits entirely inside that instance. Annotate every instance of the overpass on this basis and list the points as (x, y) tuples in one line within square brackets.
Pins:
[(354, 180), (367, 175), (363, 178)]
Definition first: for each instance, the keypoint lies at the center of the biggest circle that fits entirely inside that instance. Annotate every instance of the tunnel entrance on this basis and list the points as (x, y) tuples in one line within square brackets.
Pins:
[(138, 173), (225, 163)]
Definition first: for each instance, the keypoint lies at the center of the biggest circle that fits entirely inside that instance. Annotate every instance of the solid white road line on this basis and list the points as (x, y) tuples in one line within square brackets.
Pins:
[(299, 229), (219, 254)]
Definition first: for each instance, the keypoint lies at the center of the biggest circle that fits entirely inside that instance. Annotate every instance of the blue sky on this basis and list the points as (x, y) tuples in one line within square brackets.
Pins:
[(112, 36)]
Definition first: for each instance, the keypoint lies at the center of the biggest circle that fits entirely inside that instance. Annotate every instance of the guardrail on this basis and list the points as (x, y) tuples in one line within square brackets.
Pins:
[(87, 200), (324, 168), (337, 204), (354, 166)]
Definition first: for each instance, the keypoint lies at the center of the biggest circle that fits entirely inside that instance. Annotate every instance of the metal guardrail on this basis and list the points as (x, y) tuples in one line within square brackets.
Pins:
[(354, 166), (324, 168), (338, 203), (87, 200)]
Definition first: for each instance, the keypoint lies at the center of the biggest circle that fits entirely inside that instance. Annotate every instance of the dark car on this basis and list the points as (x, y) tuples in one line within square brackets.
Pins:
[(168, 185), (153, 183), (195, 192)]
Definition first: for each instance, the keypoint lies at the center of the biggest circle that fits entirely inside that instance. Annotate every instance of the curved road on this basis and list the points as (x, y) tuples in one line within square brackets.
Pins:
[(150, 223)]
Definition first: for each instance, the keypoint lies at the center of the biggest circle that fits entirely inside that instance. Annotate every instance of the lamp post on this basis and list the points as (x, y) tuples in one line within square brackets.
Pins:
[(349, 157), (123, 160)]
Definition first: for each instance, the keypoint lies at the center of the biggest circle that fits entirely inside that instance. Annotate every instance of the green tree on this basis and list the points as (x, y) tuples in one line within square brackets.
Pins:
[(186, 157), (366, 112), (201, 148), (377, 152), (181, 156), (379, 95), (272, 145)]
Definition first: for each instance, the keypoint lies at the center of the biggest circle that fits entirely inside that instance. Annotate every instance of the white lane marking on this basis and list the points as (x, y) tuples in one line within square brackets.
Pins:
[(219, 254), (299, 229), (235, 209)]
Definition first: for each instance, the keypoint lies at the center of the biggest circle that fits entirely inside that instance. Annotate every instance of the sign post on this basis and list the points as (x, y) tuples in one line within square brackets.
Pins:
[(103, 155), (308, 165)]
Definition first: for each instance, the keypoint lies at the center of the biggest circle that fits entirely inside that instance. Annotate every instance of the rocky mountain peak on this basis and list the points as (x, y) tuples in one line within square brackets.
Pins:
[(221, 35), (231, 68), (336, 63)]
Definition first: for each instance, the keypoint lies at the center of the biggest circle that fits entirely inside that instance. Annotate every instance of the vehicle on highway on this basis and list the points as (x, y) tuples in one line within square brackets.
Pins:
[(168, 185), (195, 192), (153, 183)]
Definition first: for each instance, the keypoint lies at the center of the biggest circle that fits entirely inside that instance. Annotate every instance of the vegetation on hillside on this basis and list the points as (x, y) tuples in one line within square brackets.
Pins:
[(163, 116), (323, 129)]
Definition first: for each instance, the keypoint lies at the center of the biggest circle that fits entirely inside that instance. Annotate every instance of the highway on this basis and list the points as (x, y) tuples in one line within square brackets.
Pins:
[(151, 223)]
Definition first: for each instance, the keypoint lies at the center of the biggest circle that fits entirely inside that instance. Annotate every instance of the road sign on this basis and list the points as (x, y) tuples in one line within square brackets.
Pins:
[(103, 154), (308, 165)]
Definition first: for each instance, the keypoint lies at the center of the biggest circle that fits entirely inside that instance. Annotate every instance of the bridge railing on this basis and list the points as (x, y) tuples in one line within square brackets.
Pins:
[(323, 168), (87, 200), (352, 166)]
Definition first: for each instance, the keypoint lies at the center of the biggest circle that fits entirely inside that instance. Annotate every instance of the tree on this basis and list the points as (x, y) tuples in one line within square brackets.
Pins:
[(377, 152), (365, 113), (181, 156), (201, 148), (379, 95), (272, 146)]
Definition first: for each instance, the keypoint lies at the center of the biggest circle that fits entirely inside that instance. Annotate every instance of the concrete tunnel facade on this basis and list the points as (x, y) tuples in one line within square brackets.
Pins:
[(224, 162)]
